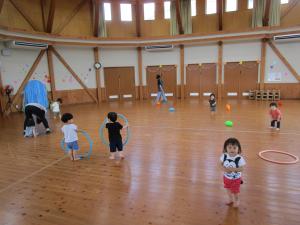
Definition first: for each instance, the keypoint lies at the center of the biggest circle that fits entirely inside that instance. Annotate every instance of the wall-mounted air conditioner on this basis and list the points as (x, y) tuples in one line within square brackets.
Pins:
[(155, 48), (25, 45), (289, 37)]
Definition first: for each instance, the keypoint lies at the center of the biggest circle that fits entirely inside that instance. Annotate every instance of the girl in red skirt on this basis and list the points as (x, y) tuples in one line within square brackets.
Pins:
[(232, 164)]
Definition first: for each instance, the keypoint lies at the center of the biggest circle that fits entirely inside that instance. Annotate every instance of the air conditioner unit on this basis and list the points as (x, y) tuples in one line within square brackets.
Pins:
[(288, 37), (153, 48), (25, 45)]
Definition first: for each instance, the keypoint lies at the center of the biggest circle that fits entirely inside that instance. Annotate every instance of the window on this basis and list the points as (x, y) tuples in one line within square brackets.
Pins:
[(284, 1), (250, 4), (231, 5), (107, 11), (149, 11), (167, 9), (193, 8), (126, 14), (211, 6)]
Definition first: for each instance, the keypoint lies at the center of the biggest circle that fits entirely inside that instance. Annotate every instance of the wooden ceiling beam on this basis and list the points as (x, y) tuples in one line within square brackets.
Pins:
[(138, 17), (70, 17), (43, 3), (267, 12), (291, 5), (178, 16), (24, 15), (51, 16), (284, 60), (96, 4), (220, 8)]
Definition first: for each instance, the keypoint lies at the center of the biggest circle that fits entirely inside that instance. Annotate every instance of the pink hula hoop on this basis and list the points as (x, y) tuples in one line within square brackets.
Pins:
[(296, 158)]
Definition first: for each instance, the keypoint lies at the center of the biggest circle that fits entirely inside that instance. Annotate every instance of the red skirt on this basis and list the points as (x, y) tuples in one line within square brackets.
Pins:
[(232, 184)]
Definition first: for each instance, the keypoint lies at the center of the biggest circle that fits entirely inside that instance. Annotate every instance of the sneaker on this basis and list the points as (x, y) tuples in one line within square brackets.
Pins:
[(48, 131)]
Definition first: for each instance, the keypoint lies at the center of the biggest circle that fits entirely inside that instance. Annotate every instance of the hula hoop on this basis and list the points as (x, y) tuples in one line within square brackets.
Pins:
[(85, 155), (296, 158), (104, 141)]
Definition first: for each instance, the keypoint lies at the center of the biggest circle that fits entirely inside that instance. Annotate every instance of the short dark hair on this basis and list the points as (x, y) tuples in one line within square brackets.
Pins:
[(113, 116), (66, 117), (212, 94), (232, 141), (157, 76), (59, 100), (273, 104)]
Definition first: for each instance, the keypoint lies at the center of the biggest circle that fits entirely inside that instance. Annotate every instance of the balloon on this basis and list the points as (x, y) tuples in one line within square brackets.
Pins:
[(171, 109), (228, 107), (228, 123)]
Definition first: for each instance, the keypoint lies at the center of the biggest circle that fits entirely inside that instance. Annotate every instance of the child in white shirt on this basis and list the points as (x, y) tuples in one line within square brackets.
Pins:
[(55, 107)]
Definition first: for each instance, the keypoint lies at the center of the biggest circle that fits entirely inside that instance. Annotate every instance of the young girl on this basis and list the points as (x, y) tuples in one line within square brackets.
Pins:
[(55, 107), (232, 164), (70, 135), (160, 90), (275, 116), (114, 135), (212, 103)]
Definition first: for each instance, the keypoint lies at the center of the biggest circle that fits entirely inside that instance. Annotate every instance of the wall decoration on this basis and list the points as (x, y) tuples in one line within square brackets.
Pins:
[(275, 76)]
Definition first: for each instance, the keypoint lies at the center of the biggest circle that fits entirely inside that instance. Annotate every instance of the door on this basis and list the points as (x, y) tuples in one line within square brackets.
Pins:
[(119, 83), (248, 78)]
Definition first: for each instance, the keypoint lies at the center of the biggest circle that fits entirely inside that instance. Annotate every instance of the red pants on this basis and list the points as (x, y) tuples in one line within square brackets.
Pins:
[(232, 184)]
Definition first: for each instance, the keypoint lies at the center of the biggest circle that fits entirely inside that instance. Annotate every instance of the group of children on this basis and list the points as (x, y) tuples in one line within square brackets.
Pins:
[(274, 111), (232, 163)]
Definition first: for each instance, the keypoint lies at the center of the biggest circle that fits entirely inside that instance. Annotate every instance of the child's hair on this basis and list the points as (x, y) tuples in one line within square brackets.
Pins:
[(66, 117), (232, 141), (59, 100), (112, 116), (157, 76), (273, 104), (30, 122), (212, 94)]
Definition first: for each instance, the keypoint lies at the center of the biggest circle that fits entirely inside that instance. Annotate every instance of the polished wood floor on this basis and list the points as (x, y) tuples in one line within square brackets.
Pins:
[(170, 174)]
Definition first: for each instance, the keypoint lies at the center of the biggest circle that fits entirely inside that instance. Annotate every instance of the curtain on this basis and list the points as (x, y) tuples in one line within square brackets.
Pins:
[(274, 16), (102, 26), (173, 20), (186, 16), (258, 13)]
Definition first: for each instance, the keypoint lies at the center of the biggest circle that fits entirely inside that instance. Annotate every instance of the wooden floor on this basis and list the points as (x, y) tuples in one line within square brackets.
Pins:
[(170, 174)]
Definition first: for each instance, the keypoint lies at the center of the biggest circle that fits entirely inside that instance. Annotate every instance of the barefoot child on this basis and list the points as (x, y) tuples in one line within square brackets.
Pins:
[(70, 135), (232, 164)]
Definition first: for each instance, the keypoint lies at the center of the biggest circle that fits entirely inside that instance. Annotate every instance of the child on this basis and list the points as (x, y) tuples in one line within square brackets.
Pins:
[(232, 163), (55, 106), (160, 90), (70, 135), (30, 130), (114, 135), (275, 116), (212, 103)]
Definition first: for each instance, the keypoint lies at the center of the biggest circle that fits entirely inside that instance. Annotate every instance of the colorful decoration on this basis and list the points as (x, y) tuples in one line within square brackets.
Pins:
[(7, 90)]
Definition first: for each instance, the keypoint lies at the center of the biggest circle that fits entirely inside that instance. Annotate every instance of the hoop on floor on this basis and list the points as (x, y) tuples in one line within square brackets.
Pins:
[(296, 158), (84, 155), (101, 129)]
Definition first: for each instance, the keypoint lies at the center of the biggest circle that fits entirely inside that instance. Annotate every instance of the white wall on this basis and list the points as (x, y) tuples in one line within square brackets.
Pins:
[(81, 61), (161, 58), (15, 67), (291, 51), (112, 57)]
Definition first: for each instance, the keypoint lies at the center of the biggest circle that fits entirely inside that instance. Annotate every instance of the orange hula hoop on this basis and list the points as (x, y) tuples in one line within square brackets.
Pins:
[(296, 158)]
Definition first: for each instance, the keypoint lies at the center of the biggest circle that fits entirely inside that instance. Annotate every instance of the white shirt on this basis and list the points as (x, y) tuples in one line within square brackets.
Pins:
[(55, 107), (70, 132), (230, 163)]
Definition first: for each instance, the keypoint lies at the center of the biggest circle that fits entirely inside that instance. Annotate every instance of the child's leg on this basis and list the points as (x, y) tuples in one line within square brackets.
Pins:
[(236, 199), (158, 97), (278, 124), (273, 123), (113, 149), (71, 154), (120, 149), (230, 197)]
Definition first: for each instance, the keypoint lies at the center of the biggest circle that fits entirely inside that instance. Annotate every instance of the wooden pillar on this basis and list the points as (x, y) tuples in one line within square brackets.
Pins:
[(220, 68), (1, 96), (220, 10), (98, 80), (262, 64), (51, 73), (182, 72), (140, 69)]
